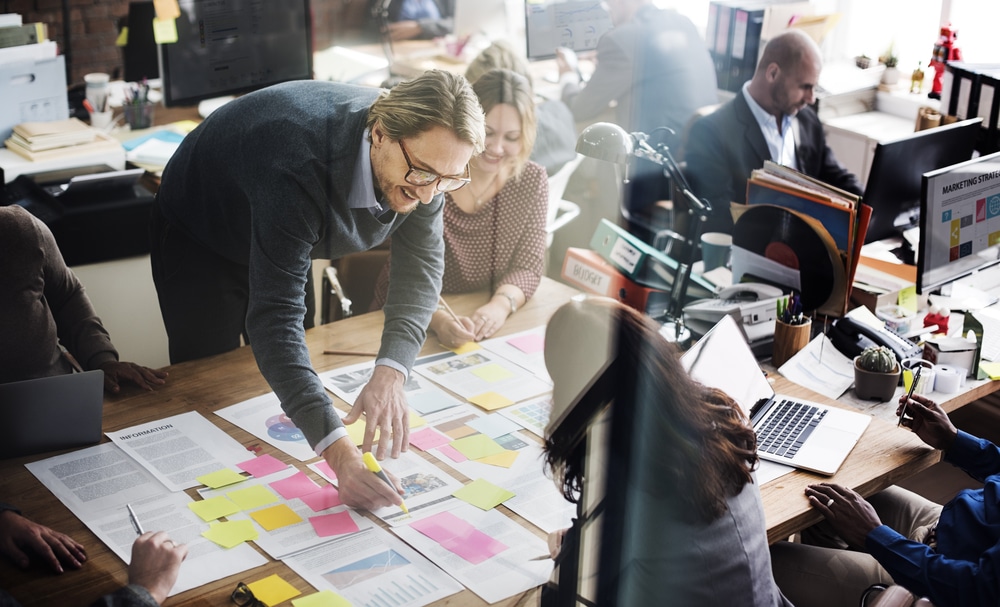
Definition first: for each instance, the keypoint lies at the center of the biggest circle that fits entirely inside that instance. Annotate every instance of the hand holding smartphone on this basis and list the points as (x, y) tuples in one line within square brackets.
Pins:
[(909, 393)]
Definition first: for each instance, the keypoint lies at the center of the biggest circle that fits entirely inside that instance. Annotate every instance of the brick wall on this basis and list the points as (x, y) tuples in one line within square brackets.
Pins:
[(94, 28)]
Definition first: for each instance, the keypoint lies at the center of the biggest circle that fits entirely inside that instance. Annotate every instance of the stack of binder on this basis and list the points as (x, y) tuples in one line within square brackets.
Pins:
[(57, 139), (970, 90)]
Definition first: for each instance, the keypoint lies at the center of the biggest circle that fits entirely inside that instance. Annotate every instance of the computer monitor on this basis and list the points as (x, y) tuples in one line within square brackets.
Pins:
[(139, 53), (228, 47), (487, 18), (893, 189), (574, 24), (959, 221)]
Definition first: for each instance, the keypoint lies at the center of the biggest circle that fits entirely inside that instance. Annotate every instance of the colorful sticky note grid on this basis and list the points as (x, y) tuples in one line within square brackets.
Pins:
[(323, 598), (477, 446), (491, 401), (483, 494), (327, 497), (229, 534), (221, 478), (252, 497), (276, 517), (532, 343), (503, 460), (262, 465), (459, 537), (336, 523), (273, 590), (428, 438), (295, 485), (492, 373), (213, 508)]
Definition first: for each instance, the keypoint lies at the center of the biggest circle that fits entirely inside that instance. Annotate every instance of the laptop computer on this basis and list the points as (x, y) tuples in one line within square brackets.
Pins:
[(790, 430), (51, 413)]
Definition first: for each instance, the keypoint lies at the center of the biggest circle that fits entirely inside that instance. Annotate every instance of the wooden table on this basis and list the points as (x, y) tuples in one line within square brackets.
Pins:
[(884, 455)]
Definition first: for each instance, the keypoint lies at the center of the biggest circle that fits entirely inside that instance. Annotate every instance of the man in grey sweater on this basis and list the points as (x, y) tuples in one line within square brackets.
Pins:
[(313, 170)]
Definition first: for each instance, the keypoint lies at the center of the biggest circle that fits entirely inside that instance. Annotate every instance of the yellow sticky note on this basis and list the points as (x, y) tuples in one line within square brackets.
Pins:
[(184, 126), (252, 497), (324, 598), (213, 508), (164, 31), (166, 9), (122, 39), (229, 534), (357, 430), (491, 401), (273, 590), (221, 478), (483, 494), (477, 446), (492, 373), (907, 299), (992, 369), (466, 348), (504, 460), (276, 517), (907, 380)]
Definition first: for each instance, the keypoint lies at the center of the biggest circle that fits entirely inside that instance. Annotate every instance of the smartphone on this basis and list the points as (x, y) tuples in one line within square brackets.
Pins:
[(913, 386)]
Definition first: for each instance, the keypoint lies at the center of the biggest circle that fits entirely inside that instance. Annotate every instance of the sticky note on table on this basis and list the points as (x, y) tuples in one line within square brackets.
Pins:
[(276, 517), (504, 460), (357, 430), (428, 438), (494, 425), (336, 523), (325, 470), (323, 598), (491, 401), (273, 590), (532, 343), (164, 31), (492, 372), (477, 446), (466, 348), (459, 537), (262, 465), (452, 453), (213, 508), (296, 485), (229, 534), (327, 497), (483, 494), (992, 369), (221, 478), (252, 497)]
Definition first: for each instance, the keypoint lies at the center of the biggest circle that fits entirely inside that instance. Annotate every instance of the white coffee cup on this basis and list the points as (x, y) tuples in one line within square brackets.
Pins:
[(101, 120), (96, 90), (715, 249)]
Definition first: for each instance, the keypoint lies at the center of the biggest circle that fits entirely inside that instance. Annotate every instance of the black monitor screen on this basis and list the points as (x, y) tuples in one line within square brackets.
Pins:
[(893, 188), (226, 47), (139, 52), (574, 24), (959, 221)]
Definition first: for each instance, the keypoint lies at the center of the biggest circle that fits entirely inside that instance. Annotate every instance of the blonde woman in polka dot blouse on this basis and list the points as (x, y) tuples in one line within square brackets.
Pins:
[(494, 228)]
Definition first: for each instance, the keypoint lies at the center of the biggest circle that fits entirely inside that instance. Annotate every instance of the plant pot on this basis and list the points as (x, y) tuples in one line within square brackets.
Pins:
[(875, 386), (890, 76)]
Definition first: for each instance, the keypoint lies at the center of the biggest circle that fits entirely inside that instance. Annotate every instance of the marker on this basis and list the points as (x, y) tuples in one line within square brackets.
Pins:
[(913, 384), (135, 520), (374, 466)]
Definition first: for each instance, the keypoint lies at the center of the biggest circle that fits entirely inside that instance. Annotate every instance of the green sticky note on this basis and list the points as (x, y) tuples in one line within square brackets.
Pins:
[(164, 31), (276, 517), (477, 446), (907, 299), (252, 497), (991, 369), (325, 598), (492, 373), (483, 494), (221, 478), (122, 39), (213, 508), (273, 590), (229, 534)]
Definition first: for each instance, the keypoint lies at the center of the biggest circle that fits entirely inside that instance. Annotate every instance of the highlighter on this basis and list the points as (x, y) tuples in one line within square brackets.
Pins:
[(372, 464)]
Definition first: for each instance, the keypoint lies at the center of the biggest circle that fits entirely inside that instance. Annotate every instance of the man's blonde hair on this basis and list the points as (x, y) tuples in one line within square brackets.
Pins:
[(435, 98), (497, 87)]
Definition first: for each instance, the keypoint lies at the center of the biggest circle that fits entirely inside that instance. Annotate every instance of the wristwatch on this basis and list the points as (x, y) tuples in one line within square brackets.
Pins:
[(510, 298)]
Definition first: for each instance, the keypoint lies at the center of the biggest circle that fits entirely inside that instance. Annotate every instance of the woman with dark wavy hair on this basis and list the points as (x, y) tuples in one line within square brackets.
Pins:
[(693, 524)]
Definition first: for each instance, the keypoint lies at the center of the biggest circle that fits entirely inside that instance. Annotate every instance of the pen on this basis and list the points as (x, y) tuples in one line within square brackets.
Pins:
[(447, 308), (135, 520), (374, 466), (349, 353), (913, 384), (541, 558)]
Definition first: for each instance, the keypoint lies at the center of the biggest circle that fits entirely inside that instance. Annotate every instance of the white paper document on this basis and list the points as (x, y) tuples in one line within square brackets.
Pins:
[(263, 417), (96, 483), (428, 488), (481, 373), (373, 569), (181, 448), (820, 367), (526, 349), (422, 396)]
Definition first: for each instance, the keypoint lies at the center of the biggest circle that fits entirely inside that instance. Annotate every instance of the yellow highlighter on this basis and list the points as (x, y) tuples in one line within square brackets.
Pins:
[(374, 466)]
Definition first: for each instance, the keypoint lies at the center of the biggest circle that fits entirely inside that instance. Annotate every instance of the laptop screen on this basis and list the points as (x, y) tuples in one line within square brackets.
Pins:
[(722, 359)]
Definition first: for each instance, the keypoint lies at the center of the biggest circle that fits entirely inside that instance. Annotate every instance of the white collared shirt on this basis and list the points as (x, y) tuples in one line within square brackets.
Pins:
[(780, 144)]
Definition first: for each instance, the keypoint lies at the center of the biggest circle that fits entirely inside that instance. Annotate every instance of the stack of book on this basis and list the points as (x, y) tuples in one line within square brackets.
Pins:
[(38, 141)]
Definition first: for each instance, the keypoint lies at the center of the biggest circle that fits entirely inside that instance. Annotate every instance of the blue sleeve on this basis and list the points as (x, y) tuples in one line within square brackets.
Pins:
[(977, 456)]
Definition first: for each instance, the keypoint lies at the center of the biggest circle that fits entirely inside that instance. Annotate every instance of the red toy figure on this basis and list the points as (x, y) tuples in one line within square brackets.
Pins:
[(945, 50)]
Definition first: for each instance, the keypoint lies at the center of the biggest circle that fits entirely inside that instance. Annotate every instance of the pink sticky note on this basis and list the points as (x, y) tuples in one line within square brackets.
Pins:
[(262, 465), (529, 344), (338, 523), (428, 438), (325, 469), (296, 485), (453, 453), (459, 537), (327, 497)]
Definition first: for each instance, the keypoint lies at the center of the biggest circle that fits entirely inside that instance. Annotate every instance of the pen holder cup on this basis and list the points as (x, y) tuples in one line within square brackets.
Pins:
[(788, 340), (139, 115)]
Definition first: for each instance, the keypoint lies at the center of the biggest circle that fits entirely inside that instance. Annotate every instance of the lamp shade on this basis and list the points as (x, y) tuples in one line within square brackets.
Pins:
[(605, 141)]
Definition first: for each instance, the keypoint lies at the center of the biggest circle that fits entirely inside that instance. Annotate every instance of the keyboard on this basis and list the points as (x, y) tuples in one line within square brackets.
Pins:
[(784, 431)]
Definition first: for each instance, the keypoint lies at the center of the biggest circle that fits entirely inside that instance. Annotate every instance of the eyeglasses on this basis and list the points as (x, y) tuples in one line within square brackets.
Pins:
[(244, 597), (420, 177)]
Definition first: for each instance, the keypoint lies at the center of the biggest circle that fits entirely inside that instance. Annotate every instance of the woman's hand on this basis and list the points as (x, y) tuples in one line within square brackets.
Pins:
[(450, 333), (489, 318)]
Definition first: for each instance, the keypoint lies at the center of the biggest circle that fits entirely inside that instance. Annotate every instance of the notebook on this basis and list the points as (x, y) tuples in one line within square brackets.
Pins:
[(790, 430), (51, 413)]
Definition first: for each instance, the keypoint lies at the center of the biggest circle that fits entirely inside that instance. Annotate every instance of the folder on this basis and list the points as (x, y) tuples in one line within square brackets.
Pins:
[(587, 270)]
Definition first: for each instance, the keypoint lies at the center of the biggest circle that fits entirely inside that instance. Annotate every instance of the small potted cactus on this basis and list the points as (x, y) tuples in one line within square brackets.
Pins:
[(876, 373)]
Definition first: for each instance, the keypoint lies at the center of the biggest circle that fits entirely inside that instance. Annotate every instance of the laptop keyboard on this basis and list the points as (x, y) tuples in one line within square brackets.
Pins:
[(783, 433)]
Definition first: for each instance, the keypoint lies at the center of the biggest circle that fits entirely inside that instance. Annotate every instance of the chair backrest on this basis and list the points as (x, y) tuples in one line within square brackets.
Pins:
[(557, 188)]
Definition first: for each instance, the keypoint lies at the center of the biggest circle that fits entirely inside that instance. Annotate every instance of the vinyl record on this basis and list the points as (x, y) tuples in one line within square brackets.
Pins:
[(785, 237)]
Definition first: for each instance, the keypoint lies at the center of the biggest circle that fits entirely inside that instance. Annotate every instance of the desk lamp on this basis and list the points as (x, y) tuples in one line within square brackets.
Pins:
[(611, 143)]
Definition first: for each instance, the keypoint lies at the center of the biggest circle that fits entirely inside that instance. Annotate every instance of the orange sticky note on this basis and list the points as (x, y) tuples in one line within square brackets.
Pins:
[(273, 590), (276, 517), (491, 401)]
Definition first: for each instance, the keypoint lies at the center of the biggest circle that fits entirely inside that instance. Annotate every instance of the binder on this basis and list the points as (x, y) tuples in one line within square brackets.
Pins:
[(643, 264), (589, 271), (720, 46), (747, 25)]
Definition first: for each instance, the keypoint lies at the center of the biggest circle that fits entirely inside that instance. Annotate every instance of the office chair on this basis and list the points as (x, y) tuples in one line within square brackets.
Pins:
[(349, 283), (561, 211), (879, 595)]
